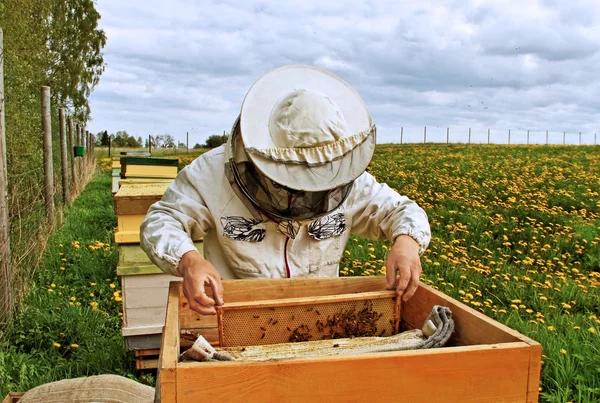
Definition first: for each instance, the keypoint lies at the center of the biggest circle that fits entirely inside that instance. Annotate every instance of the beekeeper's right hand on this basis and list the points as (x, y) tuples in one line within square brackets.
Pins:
[(198, 273)]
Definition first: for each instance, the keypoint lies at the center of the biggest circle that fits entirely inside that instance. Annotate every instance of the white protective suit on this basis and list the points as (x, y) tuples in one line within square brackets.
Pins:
[(200, 203)]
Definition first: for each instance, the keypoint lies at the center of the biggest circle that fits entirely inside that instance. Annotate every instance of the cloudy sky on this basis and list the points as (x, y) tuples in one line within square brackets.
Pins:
[(184, 65)]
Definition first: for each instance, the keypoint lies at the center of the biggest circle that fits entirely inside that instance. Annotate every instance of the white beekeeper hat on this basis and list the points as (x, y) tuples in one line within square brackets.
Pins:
[(306, 129)]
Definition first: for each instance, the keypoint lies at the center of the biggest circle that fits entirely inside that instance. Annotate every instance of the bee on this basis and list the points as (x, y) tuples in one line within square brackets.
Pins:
[(256, 316), (263, 336), (275, 322), (318, 313), (263, 329)]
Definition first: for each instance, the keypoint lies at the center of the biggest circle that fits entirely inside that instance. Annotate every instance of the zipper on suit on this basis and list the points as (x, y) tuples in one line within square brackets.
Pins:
[(287, 265)]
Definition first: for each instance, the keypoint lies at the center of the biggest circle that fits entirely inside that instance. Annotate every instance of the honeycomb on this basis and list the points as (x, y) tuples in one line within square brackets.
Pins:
[(272, 323)]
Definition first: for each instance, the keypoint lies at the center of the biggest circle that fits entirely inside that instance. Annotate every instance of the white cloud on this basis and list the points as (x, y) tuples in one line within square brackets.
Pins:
[(184, 66)]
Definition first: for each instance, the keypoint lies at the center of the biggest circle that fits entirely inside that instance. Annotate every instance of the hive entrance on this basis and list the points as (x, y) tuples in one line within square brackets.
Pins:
[(304, 319)]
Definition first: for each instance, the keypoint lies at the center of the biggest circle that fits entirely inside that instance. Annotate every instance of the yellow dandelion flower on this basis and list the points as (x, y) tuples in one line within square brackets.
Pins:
[(111, 285), (119, 299), (55, 344), (92, 284), (62, 268), (551, 328), (566, 306), (74, 345), (516, 301), (563, 351), (50, 290), (543, 298), (73, 299), (53, 285), (592, 330)]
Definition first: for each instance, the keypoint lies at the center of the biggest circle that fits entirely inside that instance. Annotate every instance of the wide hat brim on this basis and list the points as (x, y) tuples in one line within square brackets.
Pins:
[(340, 166)]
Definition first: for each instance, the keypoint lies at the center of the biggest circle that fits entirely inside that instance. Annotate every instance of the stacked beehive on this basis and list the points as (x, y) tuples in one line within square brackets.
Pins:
[(144, 286), (116, 175)]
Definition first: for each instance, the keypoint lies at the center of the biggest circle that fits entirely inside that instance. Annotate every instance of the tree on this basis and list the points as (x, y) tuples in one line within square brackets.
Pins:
[(168, 141), (197, 146), (216, 140), (102, 139)]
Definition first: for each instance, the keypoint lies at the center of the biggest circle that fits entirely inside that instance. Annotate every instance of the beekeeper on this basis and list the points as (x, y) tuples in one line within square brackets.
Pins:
[(282, 197)]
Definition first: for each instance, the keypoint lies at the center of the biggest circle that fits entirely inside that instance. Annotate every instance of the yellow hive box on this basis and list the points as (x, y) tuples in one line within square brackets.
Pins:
[(138, 167), (131, 203)]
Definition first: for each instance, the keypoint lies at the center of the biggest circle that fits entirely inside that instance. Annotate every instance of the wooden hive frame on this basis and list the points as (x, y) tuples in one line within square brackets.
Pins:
[(484, 362)]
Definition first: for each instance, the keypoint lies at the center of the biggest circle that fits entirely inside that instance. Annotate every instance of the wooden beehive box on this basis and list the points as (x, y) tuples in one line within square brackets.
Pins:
[(132, 202), (139, 167), (13, 397), (116, 177), (484, 362), (144, 289)]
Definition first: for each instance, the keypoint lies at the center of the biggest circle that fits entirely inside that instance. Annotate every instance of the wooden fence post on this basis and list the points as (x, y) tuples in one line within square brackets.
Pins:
[(401, 134), (48, 169), (63, 156), (109, 147), (72, 157), (6, 292)]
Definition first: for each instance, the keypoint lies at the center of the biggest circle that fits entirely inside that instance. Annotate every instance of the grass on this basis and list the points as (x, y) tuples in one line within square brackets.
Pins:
[(69, 325), (516, 233)]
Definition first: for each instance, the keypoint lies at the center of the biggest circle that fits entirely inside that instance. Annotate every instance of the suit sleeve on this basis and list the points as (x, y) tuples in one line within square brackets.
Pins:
[(170, 225), (378, 212)]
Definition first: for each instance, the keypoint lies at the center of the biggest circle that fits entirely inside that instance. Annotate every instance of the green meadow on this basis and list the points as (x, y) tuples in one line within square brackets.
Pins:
[(516, 232)]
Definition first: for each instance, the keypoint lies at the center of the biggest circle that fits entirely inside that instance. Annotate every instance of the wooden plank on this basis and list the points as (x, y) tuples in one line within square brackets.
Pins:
[(137, 198), (143, 341), (472, 327), (535, 370), (115, 185), (302, 301), (125, 237), (146, 363), (149, 171), (147, 352), (130, 223), (167, 365), (134, 254), (116, 164), (141, 330), (138, 269), (144, 180), (486, 373)]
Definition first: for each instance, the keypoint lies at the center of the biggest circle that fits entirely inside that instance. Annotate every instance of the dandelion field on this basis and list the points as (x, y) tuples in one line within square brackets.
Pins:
[(515, 235)]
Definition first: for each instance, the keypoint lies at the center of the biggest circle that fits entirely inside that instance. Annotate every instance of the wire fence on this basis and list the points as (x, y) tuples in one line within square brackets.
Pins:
[(467, 135), (37, 181)]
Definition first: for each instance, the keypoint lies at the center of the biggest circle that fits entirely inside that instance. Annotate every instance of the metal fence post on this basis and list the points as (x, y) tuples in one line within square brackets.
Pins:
[(508, 136), (401, 134), (425, 135), (447, 135)]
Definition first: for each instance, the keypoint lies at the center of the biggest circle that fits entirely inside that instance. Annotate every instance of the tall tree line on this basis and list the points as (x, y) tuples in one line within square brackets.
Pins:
[(56, 43)]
